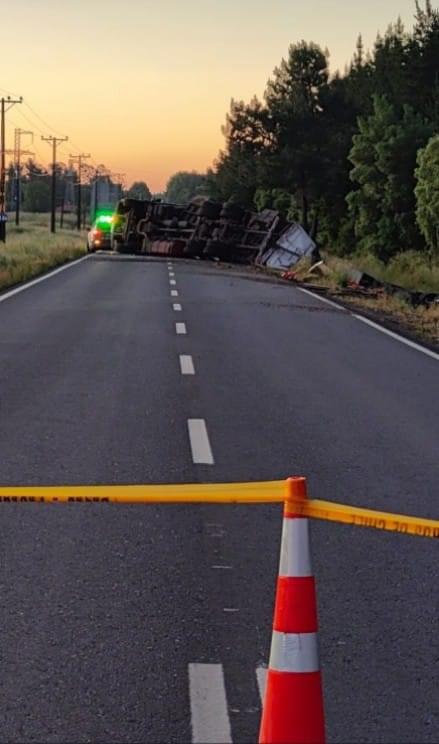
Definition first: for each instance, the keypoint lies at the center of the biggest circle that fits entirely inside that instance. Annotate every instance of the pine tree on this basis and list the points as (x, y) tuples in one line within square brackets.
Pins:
[(384, 158)]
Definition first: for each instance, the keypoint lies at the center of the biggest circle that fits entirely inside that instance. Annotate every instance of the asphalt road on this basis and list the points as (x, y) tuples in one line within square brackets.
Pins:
[(106, 611)]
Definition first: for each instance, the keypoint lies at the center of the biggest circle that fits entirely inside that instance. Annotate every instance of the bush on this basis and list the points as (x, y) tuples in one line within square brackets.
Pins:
[(427, 193)]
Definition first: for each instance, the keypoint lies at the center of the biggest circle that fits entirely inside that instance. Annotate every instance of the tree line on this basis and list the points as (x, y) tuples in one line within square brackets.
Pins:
[(353, 156)]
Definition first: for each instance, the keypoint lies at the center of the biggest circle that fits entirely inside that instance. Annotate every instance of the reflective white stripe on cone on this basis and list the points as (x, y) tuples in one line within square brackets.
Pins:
[(293, 705)]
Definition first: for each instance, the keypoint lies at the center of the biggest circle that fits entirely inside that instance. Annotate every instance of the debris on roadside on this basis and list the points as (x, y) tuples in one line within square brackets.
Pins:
[(362, 281)]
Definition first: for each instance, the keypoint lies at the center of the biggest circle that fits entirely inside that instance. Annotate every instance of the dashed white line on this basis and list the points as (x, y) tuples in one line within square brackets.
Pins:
[(261, 678), (180, 329), (223, 568), (174, 292), (209, 713), (187, 364), (172, 282), (199, 440), (177, 307), (172, 275), (28, 285)]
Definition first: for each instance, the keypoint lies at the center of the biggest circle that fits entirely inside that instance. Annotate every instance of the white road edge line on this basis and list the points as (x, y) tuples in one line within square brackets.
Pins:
[(376, 326), (323, 299), (174, 292), (177, 307), (199, 440), (209, 713), (33, 282), (180, 329), (396, 336), (261, 678), (187, 364)]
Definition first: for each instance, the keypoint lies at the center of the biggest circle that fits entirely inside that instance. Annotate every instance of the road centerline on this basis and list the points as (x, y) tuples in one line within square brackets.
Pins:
[(180, 329), (209, 713), (199, 441), (187, 364)]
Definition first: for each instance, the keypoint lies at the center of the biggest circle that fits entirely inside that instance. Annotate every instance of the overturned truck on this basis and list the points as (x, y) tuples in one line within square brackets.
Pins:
[(202, 229)]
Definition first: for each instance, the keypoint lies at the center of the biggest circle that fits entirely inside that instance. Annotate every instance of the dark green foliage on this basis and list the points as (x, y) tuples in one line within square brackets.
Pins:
[(139, 190), (384, 158), (427, 194), (298, 146), (183, 186), (36, 195)]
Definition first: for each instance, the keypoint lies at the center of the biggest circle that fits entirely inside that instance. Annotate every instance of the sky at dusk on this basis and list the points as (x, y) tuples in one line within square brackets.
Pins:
[(144, 86)]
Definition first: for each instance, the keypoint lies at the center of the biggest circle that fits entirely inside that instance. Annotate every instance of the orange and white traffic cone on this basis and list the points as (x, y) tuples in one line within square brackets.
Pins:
[(293, 707)]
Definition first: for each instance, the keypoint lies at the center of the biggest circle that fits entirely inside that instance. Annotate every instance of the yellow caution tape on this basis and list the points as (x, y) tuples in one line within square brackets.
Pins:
[(222, 493), (209, 493), (359, 517)]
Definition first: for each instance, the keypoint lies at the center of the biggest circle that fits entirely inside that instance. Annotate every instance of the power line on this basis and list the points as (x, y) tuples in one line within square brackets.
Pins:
[(51, 129), (47, 126), (9, 92), (32, 123)]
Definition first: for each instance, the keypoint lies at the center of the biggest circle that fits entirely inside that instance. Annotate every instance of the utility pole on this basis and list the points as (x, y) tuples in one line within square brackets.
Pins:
[(17, 159), (82, 156), (5, 102), (55, 141)]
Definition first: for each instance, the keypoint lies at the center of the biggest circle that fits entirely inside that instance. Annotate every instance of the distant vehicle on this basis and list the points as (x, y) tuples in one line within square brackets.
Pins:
[(99, 237)]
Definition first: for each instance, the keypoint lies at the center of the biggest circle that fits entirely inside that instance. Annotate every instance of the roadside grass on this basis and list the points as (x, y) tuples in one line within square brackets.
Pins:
[(420, 321), (410, 270), (31, 249)]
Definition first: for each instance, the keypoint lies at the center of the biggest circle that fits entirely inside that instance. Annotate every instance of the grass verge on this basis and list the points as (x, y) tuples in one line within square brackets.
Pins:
[(31, 249), (410, 270)]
